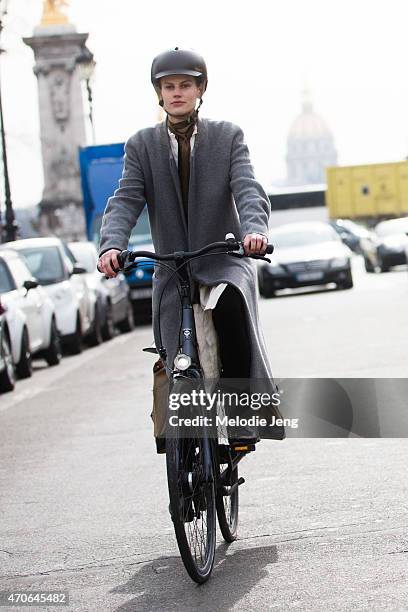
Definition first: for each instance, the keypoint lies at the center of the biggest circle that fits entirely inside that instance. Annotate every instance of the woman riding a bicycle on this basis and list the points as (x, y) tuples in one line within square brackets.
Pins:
[(196, 177)]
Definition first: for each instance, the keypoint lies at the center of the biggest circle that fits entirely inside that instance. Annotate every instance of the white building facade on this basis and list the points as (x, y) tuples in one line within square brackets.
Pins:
[(310, 147)]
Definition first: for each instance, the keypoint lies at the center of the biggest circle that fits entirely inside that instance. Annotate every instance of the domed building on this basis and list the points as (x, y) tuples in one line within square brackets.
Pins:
[(310, 147)]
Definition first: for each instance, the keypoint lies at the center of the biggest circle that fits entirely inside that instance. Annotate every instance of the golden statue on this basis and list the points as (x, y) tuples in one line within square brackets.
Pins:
[(52, 15)]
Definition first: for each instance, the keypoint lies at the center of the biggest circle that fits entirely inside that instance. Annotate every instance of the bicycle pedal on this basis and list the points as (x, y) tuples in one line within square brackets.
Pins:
[(243, 448)]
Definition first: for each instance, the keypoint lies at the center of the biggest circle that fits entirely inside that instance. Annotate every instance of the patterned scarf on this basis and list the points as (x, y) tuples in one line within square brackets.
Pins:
[(183, 132)]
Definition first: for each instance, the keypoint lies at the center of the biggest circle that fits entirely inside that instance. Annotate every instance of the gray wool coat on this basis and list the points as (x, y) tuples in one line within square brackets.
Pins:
[(224, 197)]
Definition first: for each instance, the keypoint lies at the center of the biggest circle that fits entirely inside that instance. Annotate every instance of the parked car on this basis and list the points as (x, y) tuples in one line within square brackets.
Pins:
[(113, 305), (30, 318), (64, 282), (140, 279), (307, 253), (7, 371), (93, 336), (351, 233), (389, 246)]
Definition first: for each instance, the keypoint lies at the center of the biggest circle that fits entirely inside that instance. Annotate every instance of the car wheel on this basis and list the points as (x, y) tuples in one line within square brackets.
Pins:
[(95, 338), (368, 265), (348, 283), (8, 375), (74, 342), (108, 328), (128, 323), (24, 368), (53, 353)]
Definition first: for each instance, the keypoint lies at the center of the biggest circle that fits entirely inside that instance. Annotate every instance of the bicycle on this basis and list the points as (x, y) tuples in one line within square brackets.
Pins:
[(202, 476)]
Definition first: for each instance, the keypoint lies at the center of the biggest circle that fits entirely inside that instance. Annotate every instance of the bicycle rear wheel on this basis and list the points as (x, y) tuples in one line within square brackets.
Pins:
[(227, 503), (192, 501)]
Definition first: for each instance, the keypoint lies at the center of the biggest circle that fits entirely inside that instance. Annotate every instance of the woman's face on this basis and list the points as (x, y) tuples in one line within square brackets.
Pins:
[(180, 94)]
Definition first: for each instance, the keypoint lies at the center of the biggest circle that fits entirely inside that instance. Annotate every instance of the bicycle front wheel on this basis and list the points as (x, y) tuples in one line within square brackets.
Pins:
[(227, 502), (192, 502)]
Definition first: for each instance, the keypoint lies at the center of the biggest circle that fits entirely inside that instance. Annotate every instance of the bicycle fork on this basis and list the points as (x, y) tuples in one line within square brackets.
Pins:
[(188, 345)]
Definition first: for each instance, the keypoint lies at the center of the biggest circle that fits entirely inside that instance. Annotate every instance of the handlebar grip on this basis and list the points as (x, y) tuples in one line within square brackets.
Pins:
[(270, 249), (121, 257)]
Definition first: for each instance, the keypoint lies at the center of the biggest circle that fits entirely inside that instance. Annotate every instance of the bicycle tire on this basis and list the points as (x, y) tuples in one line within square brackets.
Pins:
[(192, 502), (228, 505)]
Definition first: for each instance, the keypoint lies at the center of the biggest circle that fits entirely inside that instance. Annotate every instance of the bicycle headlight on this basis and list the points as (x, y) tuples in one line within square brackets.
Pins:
[(182, 361)]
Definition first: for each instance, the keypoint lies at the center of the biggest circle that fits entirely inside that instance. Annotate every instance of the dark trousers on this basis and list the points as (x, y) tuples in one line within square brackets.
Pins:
[(231, 325)]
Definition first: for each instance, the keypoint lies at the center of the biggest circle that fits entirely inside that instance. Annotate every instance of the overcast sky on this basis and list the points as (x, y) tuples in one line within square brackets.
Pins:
[(352, 54)]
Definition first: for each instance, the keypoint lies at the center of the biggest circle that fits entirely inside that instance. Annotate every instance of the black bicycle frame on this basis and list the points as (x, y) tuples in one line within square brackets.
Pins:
[(188, 339), (188, 343), (188, 346)]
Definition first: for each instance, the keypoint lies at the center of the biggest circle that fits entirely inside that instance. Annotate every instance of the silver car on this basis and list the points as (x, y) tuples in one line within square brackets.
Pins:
[(389, 247), (113, 306)]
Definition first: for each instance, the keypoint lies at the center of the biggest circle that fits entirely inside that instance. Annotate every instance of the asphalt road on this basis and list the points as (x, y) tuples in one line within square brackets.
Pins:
[(323, 523)]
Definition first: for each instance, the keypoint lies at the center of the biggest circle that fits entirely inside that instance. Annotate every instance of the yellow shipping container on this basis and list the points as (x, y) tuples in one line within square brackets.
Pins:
[(374, 190)]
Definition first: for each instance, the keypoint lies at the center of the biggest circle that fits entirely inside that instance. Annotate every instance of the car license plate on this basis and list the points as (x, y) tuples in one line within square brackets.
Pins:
[(309, 276), (141, 294)]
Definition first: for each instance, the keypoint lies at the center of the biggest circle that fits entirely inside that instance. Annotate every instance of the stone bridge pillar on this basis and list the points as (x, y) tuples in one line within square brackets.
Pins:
[(57, 47)]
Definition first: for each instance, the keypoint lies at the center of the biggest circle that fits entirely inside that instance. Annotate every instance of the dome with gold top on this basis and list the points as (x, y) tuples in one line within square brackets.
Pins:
[(310, 147)]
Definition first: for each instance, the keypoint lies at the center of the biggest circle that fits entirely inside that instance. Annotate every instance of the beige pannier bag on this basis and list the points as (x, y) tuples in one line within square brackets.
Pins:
[(160, 399)]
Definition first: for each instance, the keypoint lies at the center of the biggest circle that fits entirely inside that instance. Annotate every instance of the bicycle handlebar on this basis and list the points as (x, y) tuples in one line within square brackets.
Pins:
[(230, 244)]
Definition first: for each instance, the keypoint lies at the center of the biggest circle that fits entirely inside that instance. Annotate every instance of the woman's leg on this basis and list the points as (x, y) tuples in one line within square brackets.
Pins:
[(230, 322)]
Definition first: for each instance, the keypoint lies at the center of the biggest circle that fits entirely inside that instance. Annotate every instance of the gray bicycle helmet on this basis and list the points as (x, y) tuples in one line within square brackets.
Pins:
[(178, 61)]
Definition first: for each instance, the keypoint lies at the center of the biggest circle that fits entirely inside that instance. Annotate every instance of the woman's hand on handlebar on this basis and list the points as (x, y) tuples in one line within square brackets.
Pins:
[(108, 263), (255, 244)]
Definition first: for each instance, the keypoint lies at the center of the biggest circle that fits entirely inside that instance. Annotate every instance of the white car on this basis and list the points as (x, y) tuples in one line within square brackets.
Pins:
[(7, 371), (29, 318), (113, 305), (49, 262)]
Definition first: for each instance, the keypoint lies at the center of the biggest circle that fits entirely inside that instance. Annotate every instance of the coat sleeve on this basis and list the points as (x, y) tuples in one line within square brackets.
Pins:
[(124, 207), (250, 199)]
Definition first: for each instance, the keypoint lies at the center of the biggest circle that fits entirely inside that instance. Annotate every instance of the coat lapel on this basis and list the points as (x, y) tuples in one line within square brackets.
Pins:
[(197, 163), (168, 159), (198, 160), (200, 150)]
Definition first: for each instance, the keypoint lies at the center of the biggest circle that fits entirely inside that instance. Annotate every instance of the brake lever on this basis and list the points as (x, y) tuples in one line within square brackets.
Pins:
[(260, 257), (121, 257)]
